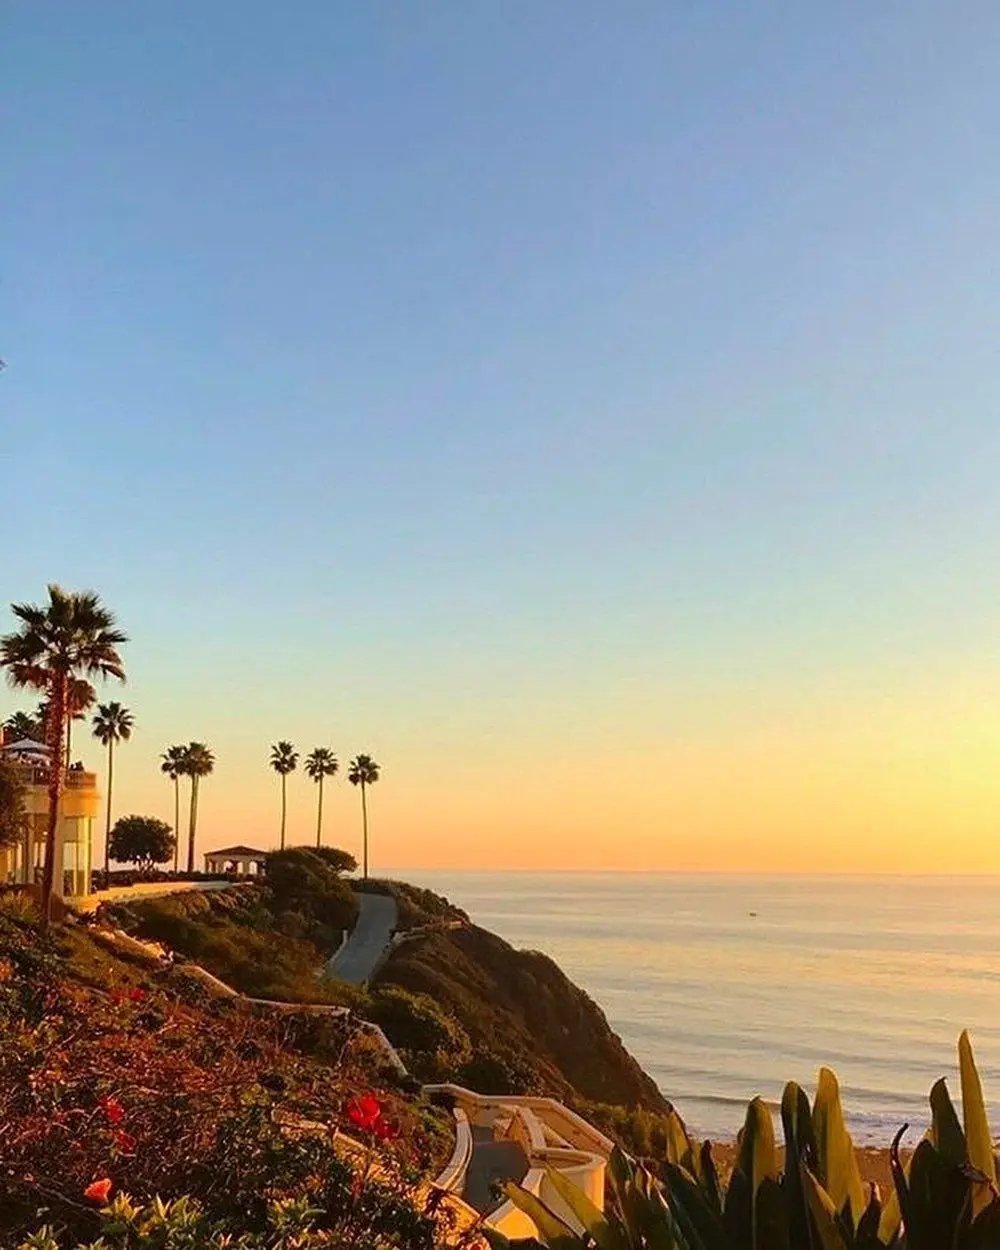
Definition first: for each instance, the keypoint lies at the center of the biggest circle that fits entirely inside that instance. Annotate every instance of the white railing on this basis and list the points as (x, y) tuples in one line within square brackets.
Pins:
[(452, 1177)]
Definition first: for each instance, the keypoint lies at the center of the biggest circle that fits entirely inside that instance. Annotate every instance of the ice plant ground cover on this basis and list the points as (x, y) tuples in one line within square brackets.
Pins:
[(115, 1084)]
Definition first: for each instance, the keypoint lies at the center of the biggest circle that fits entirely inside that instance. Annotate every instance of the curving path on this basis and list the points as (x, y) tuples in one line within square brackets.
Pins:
[(359, 956)]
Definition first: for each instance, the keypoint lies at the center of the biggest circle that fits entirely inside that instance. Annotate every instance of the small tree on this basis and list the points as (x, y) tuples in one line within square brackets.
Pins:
[(142, 840), (13, 820)]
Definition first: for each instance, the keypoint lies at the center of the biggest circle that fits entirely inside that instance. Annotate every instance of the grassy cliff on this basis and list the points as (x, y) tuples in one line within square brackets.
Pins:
[(457, 1001)]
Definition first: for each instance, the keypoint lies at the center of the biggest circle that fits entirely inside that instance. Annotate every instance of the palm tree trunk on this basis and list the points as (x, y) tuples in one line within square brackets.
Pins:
[(319, 813), (364, 821), (58, 696), (69, 737), (177, 823), (107, 826), (192, 821), (282, 811)]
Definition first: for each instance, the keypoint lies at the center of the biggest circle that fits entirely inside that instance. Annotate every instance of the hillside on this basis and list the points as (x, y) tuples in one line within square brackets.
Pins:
[(529, 1027), (119, 1074), (458, 1002)]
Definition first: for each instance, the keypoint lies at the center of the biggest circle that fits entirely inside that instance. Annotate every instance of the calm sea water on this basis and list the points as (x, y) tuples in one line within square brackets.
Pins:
[(724, 987)]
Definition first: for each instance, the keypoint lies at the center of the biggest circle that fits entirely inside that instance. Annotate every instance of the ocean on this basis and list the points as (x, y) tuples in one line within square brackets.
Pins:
[(724, 987)]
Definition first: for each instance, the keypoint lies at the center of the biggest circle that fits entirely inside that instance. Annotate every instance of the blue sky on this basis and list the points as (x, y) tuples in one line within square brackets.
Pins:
[(492, 384)]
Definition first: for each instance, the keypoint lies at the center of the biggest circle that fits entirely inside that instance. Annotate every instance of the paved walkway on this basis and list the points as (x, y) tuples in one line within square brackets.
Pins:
[(356, 959), (492, 1161), (145, 889)]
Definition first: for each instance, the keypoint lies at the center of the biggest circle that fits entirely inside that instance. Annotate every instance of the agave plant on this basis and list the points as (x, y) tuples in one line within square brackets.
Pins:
[(946, 1198)]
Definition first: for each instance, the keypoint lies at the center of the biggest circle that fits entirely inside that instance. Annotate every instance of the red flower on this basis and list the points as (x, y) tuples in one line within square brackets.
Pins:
[(137, 995), (124, 1141), (364, 1111), (113, 1109), (98, 1191)]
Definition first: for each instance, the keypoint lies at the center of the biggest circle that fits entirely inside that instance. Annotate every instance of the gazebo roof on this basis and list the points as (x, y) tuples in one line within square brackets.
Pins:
[(26, 746), (236, 852)]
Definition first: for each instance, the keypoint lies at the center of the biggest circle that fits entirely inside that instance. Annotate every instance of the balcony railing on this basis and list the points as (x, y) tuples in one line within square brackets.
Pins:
[(73, 778)]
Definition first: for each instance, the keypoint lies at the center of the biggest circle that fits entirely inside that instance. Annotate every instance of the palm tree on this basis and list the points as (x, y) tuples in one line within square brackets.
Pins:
[(197, 762), (284, 759), (22, 725), (70, 638), (364, 772), (113, 723), (320, 763), (172, 764), (82, 697)]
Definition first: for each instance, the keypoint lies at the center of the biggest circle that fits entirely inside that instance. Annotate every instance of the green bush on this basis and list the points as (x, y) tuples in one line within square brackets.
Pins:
[(416, 1024), (308, 881)]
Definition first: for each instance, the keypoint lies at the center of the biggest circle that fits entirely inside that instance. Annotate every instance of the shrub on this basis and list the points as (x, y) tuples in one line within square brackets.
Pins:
[(416, 1024), (304, 880), (226, 1106), (945, 1199)]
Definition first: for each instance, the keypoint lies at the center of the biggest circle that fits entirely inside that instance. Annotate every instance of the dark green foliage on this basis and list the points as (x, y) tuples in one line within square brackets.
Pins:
[(417, 907), (947, 1197), (431, 1039), (20, 725), (339, 861), (523, 1017), (13, 821), (233, 933), (141, 840), (307, 880)]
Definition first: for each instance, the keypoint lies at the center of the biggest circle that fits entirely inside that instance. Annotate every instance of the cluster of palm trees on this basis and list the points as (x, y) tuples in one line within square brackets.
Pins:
[(194, 761), (58, 648), (321, 763)]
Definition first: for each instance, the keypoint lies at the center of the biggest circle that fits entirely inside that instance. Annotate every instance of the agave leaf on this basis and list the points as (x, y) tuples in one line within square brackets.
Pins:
[(823, 1212), (838, 1167), (680, 1148), (870, 1221), (710, 1179), (890, 1219), (738, 1212), (650, 1215), (757, 1162), (697, 1210), (939, 1201), (758, 1158), (800, 1148), (770, 1217), (591, 1217), (554, 1232), (985, 1231), (946, 1132), (977, 1128)]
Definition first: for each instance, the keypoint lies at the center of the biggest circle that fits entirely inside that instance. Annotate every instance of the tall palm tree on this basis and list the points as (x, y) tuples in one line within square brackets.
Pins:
[(113, 723), (198, 761), (284, 759), (172, 763), (364, 772), (82, 697), (72, 637), (320, 762)]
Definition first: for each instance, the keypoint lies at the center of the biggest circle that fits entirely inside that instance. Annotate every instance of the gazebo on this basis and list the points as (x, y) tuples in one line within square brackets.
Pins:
[(244, 861)]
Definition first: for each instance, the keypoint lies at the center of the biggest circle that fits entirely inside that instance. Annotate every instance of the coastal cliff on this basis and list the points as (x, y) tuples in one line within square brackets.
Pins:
[(458, 1002), (530, 1029)]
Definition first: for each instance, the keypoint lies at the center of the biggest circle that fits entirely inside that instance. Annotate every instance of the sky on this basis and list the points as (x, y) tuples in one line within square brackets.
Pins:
[(591, 411)]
